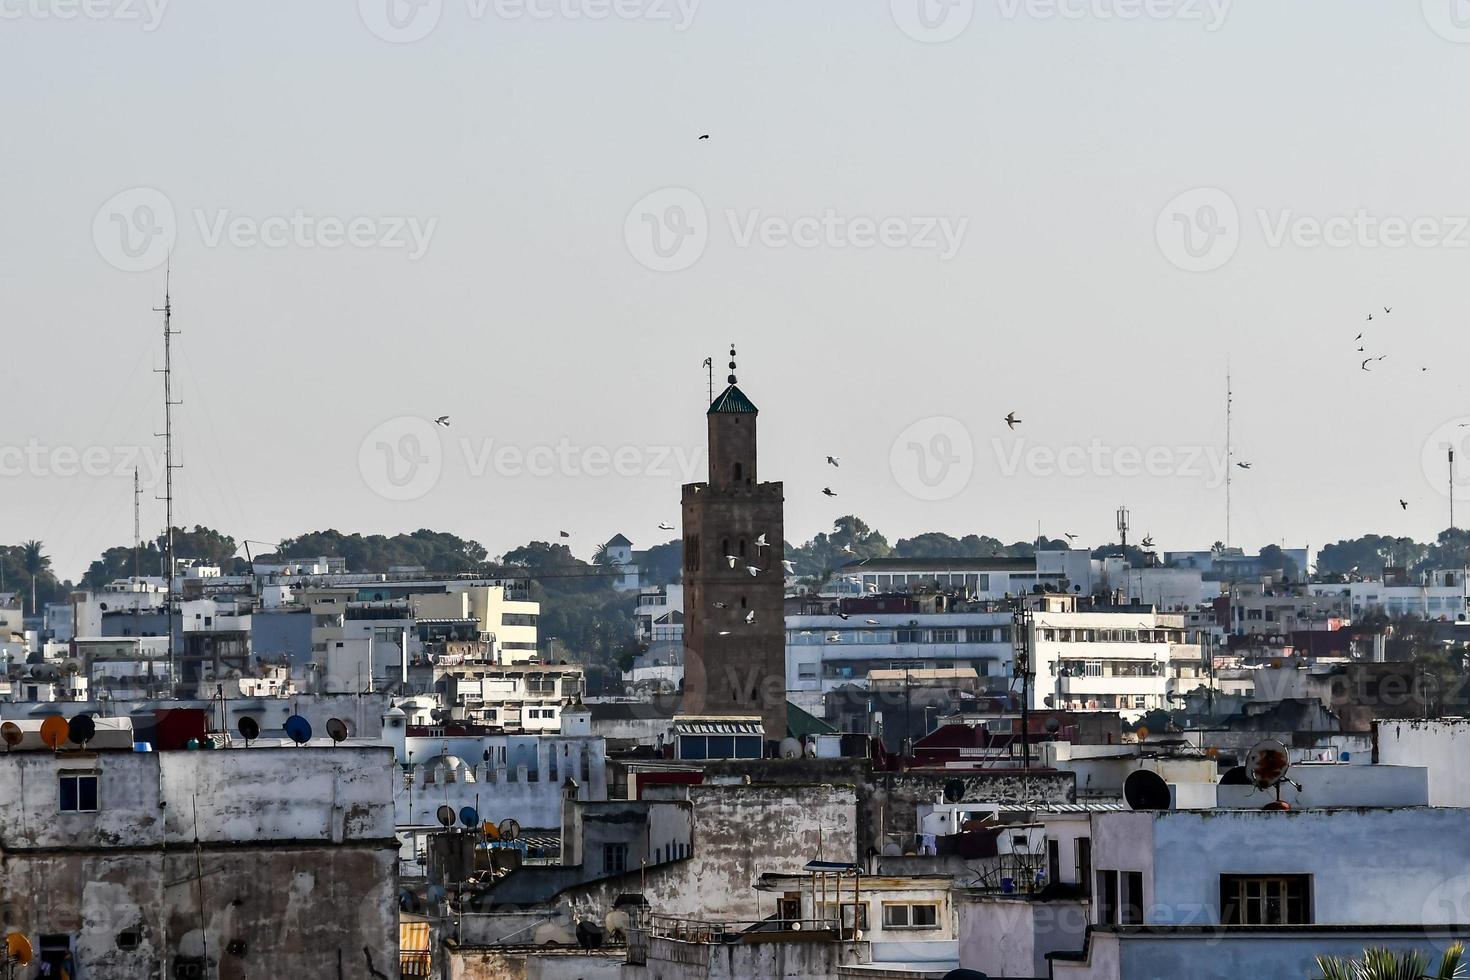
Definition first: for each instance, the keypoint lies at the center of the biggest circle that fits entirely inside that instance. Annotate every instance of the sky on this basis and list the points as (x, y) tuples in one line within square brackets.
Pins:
[(912, 217)]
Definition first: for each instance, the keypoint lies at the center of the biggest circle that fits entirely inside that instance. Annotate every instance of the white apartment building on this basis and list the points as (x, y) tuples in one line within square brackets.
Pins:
[(660, 614), (1118, 659), (1439, 595), (977, 578), (510, 622), (826, 650)]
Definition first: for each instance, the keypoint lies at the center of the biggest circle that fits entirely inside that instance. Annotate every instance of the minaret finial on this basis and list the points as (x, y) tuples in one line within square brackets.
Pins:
[(732, 363)]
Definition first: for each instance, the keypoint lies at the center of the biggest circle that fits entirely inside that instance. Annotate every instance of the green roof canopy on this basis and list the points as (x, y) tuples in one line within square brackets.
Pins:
[(733, 400)]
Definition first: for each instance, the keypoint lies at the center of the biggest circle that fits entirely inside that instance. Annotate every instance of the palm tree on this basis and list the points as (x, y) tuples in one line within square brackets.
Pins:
[(1380, 964), (34, 563)]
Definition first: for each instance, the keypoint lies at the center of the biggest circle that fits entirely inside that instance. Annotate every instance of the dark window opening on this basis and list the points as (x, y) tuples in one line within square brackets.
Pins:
[(1266, 900), (1106, 898), (739, 473), (1132, 898)]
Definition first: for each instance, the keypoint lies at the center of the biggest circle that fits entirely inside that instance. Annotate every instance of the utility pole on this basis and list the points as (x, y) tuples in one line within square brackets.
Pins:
[(709, 364), (168, 468), (1451, 451)]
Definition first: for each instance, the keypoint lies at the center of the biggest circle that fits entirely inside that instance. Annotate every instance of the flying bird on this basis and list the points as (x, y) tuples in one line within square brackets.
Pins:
[(847, 549), (1357, 338), (827, 492), (442, 420), (1366, 362), (1361, 349), (1404, 504), (1244, 466), (565, 534), (732, 560), (832, 460), (1069, 536), (705, 136), (1148, 542), (843, 615), (752, 570), (1388, 309), (750, 616), (760, 541), (871, 622), (1011, 420), (1370, 316), (790, 568), (665, 526), (724, 632)]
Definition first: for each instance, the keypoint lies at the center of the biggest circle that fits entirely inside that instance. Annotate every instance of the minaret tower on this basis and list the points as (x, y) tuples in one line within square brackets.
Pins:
[(734, 579)]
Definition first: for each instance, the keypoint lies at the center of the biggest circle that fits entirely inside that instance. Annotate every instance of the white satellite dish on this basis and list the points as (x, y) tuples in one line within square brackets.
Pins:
[(790, 748)]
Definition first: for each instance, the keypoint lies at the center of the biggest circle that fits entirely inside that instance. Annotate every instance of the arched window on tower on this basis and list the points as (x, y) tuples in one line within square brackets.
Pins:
[(742, 547), (739, 473)]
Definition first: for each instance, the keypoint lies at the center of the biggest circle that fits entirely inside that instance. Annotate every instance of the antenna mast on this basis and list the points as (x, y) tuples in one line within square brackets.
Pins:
[(168, 467), (137, 526), (1229, 450), (709, 363)]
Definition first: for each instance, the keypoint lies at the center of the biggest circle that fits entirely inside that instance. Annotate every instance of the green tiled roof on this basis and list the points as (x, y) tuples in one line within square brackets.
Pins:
[(802, 723), (732, 399)]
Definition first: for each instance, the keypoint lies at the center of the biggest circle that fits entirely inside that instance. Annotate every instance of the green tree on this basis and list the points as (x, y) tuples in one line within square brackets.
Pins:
[(663, 564), (1380, 964)]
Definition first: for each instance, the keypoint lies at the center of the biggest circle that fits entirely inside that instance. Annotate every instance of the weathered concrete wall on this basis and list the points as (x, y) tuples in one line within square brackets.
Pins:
[(740, 833), (290, 865), (672, 960), (534, 964), (1443, 747), (887, 802), (1010, 937)]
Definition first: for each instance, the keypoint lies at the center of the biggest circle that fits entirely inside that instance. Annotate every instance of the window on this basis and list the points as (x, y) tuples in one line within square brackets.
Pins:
[(945, 636), (614, 858), (1084, 864), (910, 916), (78, 793), (1132, 898), (1106, 898), (1256, 900), (1053, 861)]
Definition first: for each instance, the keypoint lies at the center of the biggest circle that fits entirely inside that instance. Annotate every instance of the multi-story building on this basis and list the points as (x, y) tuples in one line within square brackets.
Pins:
[(1439, 595), (139, 865), (503, 614), (659, 615)]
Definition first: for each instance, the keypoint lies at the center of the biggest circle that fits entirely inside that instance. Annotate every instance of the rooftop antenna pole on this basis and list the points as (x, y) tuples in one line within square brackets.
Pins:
[(168, 465), (1229, 448), (1451, 451), (709, 364)]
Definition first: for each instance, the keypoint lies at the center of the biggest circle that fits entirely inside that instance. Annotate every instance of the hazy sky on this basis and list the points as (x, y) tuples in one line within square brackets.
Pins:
[(911, 222)]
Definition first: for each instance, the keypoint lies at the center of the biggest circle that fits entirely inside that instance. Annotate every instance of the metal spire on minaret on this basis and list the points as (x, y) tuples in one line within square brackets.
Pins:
[(732, 362)]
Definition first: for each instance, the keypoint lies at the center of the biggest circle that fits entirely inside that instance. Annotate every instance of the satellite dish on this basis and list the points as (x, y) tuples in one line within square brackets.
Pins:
[(490, 831), (445, 813), (790, 748), (18, 948), (337, 729), (1266, 763), (811, 749), (12, 734), (249, 729), (54, 731), (617, 921), (954, 791), (298, 729), (1345, 756), (1142, 733), (81, 729), (1053, 726), (1145, 789), (1235, 776), (509, 829), (469, 816)]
